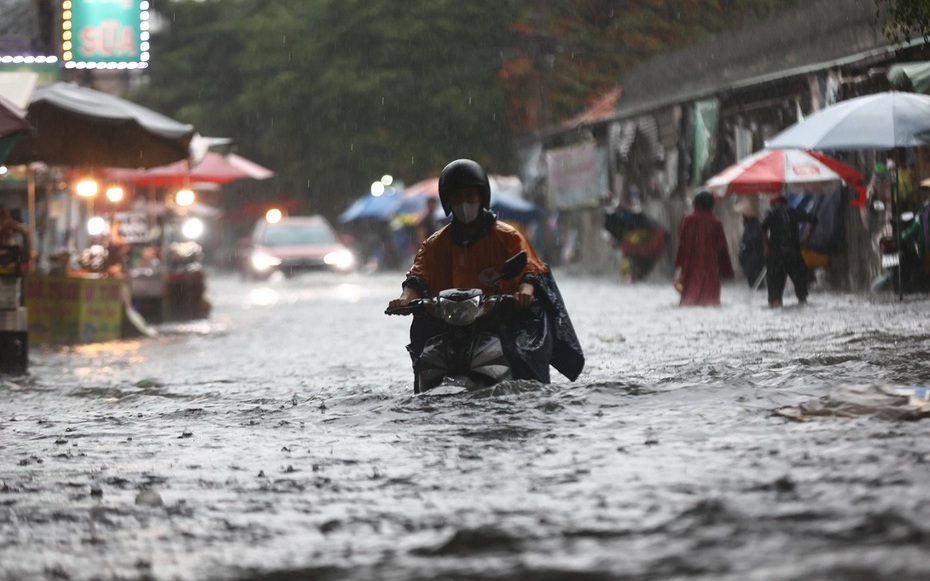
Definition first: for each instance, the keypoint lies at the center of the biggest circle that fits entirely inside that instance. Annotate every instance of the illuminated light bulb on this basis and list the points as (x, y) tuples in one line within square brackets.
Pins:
[(377, 188), (97, 226), (185, 197), (114, 194), (86, 188), (192, 228), (273, 216)]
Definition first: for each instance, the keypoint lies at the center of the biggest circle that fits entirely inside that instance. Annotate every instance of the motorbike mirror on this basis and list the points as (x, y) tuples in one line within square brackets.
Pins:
[(878, 205), (514, 265)]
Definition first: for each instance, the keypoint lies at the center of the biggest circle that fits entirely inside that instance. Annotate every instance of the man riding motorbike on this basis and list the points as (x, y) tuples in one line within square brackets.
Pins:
[(469, 253)]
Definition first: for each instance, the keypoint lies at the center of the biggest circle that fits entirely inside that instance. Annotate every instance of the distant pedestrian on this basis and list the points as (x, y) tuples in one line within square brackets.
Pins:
[(428, 222), (703, 259), (751, 248), (15, 235), (782, 241), (641, 240)]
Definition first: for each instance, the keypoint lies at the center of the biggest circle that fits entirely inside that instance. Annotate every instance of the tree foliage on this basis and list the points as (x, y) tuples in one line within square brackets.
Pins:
[(902, 20), (332, 94)]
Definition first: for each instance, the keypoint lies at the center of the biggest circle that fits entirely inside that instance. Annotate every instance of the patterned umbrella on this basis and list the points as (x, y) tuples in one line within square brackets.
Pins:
[(782, 171)]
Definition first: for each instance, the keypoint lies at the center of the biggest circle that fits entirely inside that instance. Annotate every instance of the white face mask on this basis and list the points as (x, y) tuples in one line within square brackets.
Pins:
[(466, 213)]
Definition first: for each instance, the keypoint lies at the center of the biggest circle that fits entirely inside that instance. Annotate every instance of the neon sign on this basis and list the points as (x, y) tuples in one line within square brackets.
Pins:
[(111, 34)]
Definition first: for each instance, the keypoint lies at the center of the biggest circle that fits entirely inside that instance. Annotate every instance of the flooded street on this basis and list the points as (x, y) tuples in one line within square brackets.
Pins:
[(281, 440)]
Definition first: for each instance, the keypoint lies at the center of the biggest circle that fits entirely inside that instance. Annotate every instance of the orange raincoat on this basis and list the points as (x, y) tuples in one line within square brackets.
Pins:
[(441, 264)]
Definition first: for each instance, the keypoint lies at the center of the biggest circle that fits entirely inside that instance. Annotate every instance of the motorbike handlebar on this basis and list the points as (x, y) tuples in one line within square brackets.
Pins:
[(407, 309), (418, 304)]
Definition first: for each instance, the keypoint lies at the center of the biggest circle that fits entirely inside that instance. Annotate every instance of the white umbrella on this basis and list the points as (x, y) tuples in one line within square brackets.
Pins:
[(879, 121)]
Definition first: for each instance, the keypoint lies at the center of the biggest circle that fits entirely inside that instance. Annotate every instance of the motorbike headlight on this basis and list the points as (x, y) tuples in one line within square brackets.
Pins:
[(262, 261), (340, 259), (460, 313)]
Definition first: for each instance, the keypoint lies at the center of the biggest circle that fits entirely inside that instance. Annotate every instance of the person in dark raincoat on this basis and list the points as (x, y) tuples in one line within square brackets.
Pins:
[(751, 248), (783, 243), (702, 259), (469, 253)]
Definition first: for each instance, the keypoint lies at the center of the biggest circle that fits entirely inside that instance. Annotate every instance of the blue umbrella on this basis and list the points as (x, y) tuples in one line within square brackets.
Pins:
[(381, 208), (506, 205), (513, 208)]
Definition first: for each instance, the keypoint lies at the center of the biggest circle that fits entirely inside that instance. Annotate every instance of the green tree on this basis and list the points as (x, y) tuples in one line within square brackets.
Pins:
[(357, 88), (335, 93), (332, 94)]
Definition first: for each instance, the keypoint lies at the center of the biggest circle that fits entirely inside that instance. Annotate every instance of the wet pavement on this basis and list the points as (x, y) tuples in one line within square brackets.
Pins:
[(280, 439)]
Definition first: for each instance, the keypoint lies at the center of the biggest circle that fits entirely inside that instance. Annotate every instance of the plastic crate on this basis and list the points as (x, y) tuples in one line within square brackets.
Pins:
[(14, 352)]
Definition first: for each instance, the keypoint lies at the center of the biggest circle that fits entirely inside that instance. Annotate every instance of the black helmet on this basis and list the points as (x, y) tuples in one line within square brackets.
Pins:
[(463, 173)]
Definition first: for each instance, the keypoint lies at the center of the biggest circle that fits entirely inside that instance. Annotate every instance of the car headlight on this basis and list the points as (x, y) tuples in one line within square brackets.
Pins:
[(262, 261), (340, 259)]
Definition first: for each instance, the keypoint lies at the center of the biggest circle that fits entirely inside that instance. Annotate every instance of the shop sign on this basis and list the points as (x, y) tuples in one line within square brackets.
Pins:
[(133, 227), (577, 176), (105, 33)]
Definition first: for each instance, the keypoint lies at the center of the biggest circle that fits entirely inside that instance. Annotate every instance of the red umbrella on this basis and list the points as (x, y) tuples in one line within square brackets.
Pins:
[(782, 171), (428, 187), (215, 168)]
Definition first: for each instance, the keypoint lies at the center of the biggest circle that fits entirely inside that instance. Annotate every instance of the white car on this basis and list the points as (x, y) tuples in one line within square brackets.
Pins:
[(292, 245)]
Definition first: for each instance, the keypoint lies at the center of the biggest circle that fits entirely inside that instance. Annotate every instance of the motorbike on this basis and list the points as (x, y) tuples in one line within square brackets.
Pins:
[(467, 351), (902, 267)]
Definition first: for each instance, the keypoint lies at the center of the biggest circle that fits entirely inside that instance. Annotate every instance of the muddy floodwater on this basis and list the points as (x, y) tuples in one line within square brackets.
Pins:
[(281, 439)]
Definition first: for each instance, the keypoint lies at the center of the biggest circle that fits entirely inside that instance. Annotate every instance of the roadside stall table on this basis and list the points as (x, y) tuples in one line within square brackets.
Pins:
[(76, 308)]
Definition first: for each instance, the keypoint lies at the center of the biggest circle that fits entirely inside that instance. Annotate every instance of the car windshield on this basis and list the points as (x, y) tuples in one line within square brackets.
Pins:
[(297, 235)]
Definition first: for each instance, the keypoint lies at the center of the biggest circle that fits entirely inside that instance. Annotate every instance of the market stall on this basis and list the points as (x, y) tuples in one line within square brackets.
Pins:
[(80, 291), (176, 288), (74, 309)]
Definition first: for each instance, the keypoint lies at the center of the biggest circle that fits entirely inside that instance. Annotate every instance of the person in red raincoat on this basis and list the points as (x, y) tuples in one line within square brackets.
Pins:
[(468, 253), (703, 259)]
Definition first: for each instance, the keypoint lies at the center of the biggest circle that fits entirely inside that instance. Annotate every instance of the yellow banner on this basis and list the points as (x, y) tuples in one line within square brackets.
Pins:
[(73, 310)]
